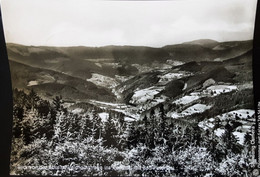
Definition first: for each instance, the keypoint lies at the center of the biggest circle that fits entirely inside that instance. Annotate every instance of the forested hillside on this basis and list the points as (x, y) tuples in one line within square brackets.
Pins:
[(50, 139), (180, 110)]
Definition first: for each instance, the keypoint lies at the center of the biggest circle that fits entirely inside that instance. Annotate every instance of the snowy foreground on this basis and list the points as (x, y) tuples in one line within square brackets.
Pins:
[(154, 135), (244, 116)]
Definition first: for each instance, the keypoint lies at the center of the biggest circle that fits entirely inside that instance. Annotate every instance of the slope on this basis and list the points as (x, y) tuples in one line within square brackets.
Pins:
[(49, 83)]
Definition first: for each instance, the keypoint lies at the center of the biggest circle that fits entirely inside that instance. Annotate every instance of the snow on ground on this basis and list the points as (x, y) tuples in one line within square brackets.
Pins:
[(174, 62), (67, 104), (120, 110), (113, 65), (32, 83), (197, 108), (160, 99), (103, 81), (104, 116), (98, 64), (205, 125), (128, 113), (240, 136), (219, 131), (239, 116), (245, 128), (118, 105), (170, 76), (141, 96), (218, 89), (143, 68), (241, 113), (174, 115), (77, 111), (186, 99), (151, 103), (129, 119), (117, 93), (185, 86), (247, 85), (217, 59), (123, 78), (127, 110), (103, 60), (195, 93), (211, 119)]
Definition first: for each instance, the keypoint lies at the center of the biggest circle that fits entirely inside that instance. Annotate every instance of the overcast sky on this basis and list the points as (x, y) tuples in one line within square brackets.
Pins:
[(149, 23)]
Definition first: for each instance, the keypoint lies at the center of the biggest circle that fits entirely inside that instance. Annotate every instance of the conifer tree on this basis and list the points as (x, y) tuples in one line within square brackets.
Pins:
[(43, 108), (110, 133), (96, 125), (86, 127), (33, 98)]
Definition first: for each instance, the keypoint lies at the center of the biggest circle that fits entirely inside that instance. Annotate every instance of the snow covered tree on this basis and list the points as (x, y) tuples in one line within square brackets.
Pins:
[(193, 161), (133, 135), (110, 133), (61, 127), (96, 125), (232, 165), (73, 126), (33, 99), (58, 104), (28, 126), (86, 126), (231, 142)]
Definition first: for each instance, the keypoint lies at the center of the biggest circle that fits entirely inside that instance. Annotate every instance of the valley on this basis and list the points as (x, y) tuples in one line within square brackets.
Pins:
[(150, 98)]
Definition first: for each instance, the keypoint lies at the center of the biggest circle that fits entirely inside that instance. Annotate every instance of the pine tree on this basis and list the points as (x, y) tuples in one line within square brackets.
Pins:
[(230, 140), (86, 128), (152, 130), (73, 127), (28, 127), (49, 126), (43, 107), (61, 127), (33, 98), (96, 125), (17, 119), (162, 125), (57, 102), (133, 135), (110, 133), (248, 137), (197, 134)]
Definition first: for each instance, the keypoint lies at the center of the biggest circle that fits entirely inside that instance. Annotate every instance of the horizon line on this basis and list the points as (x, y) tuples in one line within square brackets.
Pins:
[(127, 45)]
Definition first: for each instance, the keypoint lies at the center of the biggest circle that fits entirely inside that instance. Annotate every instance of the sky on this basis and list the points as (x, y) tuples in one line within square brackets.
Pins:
[(139, 23)]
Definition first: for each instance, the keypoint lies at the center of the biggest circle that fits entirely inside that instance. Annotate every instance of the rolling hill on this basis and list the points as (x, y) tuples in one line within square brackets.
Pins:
[(49, 84), (73, 71), (205, 50)]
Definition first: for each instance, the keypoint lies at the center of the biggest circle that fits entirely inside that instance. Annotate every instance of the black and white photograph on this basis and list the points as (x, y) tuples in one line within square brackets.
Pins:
[(131, 88)]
